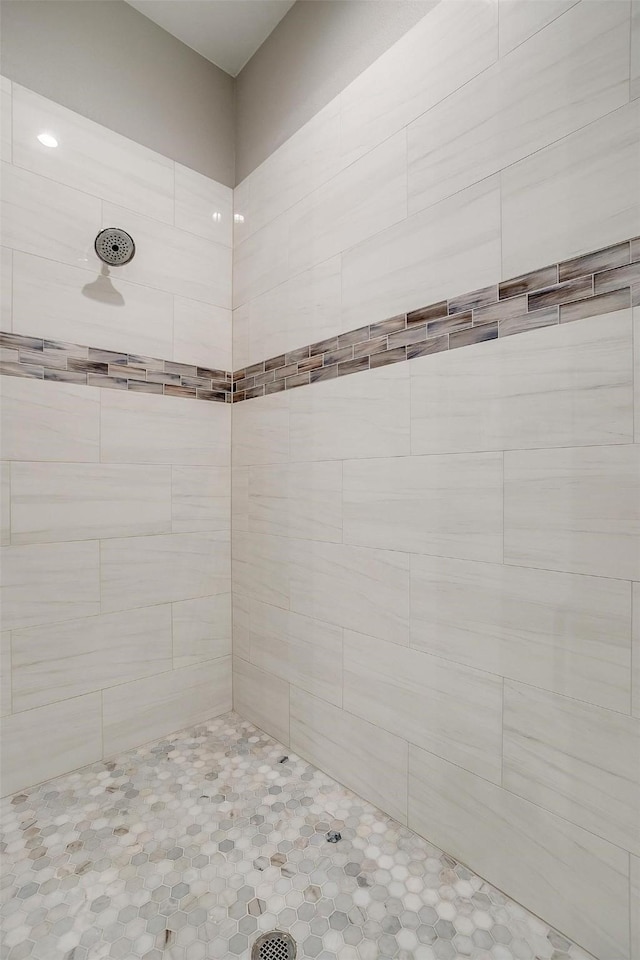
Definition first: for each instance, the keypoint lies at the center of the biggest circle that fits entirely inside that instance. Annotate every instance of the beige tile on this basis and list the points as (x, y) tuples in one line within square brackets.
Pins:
[(88, 304), (5, 672), (261, 430), (297, 500), (138, 428), (565, 633), (47, 219), (443, 505), (90, 157), (635, 673), (44, 743), (201, 334), (83, 501), (201, 629), (439, 253), (42, 420), (59, 661), (577, 760), (448, 709), (141, 571), (200, 499), (241, 626), (148, 709), (560, 386), (262, 698), (305, 652), (261, 568), (48, 582), (578, 63), (575, 880), (203, 206), (574, 509), (521, 19), (600, 206), (173, 260), (353, 587), (5, 503), (366, 415), (364, 758)]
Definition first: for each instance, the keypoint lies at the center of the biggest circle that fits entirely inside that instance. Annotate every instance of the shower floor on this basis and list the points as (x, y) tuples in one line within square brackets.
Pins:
[(190, 847)]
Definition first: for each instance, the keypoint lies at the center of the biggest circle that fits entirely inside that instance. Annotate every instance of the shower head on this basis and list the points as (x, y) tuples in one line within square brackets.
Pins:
[(115, 246)]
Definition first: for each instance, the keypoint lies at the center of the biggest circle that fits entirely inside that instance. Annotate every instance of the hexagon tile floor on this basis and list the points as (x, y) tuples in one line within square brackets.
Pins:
[(190, 847)]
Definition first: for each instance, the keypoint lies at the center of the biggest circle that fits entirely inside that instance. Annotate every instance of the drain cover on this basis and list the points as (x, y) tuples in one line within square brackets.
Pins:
[(274, 945)]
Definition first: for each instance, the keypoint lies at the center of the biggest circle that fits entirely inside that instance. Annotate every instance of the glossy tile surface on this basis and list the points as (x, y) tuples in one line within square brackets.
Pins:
[(564, 633), (445, 505), (498, 832), (575, 509), (576, 760), (197, 843)]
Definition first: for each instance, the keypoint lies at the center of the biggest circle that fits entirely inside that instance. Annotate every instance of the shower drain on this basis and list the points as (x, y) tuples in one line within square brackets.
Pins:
[(274, 945)]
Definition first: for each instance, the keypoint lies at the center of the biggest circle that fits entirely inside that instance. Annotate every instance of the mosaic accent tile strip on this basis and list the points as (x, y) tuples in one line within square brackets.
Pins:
[(36, 358), (191, 847), (599, 282)]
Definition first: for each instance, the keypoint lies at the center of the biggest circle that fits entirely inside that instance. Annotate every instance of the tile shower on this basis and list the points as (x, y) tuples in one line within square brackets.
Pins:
[(415, 534)]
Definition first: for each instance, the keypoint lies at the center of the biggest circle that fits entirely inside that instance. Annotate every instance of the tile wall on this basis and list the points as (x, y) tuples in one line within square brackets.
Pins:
[(436, 563), (116, 593)]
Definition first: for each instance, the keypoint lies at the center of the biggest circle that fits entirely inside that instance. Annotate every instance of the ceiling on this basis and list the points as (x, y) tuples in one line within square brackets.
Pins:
[(226, 32)]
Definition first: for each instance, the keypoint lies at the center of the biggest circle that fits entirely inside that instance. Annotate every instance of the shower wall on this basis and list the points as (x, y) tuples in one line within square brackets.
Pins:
[(116, 621), (435, 561)]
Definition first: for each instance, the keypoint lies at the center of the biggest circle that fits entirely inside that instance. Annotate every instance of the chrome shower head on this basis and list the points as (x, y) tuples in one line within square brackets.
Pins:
[(115, 246)]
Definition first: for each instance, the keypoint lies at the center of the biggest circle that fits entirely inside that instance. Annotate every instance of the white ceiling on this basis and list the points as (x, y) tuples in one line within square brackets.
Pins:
[(227, 32)]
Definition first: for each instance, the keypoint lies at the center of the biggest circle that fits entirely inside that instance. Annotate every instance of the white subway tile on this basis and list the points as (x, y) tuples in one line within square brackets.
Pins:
[(47, 582), (574, 509), (173, 260), (90, 306), (574, 196), (69, 501), (495, 833), (448, 505), (48, 219), (139, 428), (201, 334), (448, 709), (90, 157), (565, 633), (577, 760), (302, 651), (561, 79), (450, 45), (262, 698), (147, 709), (43, 420), (203, 206), (58, 661), (49, 737), (438, 253), (201, 629), (559, 386), (141, 571), (353, 587), (365, 758)]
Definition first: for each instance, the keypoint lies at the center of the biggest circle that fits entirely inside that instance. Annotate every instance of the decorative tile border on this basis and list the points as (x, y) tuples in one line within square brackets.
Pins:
[(22, 356), (595, 283)]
